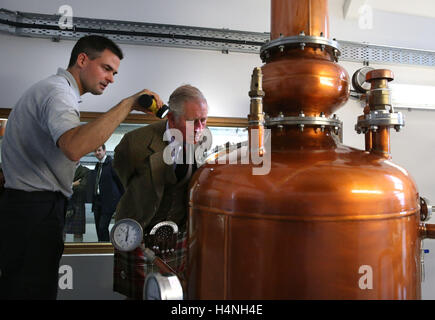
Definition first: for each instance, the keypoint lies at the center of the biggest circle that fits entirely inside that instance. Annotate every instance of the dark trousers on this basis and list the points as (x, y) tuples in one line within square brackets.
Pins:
[(102, 220), (31, 243)]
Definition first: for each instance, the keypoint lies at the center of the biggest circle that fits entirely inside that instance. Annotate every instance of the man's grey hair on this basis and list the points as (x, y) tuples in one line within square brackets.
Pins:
[(181, 95)]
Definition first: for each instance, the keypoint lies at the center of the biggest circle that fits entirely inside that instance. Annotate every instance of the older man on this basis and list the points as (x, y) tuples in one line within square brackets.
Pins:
[(155, 189)]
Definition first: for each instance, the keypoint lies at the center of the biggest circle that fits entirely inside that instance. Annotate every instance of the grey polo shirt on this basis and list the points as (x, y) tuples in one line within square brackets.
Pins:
[(31, 159)]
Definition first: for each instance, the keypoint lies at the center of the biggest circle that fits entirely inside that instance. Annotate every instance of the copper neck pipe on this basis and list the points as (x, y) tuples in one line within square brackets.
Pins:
[(291, 17), (303, 140), (427, 231), (299, 74), (368, 135), (256, 116), (379, 100), (381, 142), (368, 141)]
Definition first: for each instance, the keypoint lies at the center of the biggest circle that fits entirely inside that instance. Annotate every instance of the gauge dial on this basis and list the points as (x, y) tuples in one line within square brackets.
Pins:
[(162, 287), (126, 235), (152, 289)]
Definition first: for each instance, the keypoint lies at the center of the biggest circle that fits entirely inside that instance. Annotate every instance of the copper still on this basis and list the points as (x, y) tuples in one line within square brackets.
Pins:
[(327, 221), (2, 127)]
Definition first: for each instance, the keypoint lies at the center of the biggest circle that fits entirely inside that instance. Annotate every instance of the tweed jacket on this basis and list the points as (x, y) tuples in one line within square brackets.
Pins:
[(139, 164)]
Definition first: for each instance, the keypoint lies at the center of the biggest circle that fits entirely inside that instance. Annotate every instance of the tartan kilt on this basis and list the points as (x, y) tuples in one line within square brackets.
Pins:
[(130, 268)]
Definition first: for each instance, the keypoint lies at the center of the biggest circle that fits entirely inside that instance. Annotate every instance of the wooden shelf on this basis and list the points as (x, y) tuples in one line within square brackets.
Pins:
[(145, 118)]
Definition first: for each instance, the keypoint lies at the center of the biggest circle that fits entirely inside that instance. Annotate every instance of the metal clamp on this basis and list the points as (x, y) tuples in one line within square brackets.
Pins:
[(300, 42), (425, 209), (375, 119), (162, 287), (302, 121)]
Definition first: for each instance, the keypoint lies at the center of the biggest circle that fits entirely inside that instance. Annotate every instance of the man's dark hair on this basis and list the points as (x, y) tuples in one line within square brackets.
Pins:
[(103, 146), (93, 46)]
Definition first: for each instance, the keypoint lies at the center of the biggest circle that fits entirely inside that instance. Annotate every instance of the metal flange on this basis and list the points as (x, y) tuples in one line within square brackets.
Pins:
[(381, 118), (302, 121), (257, 122), (301, 42), (425, 209)]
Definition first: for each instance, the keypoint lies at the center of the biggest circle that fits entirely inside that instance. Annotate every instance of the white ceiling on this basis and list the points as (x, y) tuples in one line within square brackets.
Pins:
[(424, 8)]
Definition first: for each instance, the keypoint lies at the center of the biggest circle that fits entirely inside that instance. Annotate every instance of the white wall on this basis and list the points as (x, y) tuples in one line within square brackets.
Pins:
[(248, 15), (389, 28), (393, 29), (223, 78)]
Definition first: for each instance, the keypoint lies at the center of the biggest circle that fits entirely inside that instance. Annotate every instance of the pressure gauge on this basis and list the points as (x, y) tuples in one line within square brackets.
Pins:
[(359, 80), (126, 235), (162, 287)]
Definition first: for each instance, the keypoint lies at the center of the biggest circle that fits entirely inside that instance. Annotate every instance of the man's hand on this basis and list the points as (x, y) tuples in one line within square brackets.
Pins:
[(76, 183), (79, 141), (135, 97)]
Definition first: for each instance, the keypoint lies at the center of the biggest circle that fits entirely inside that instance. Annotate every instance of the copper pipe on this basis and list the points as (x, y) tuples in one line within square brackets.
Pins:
[(427, 231), (368, 141), (379, 99), (368, 135), (258, 146), (291, 17), (379, 96), (380, 74), (311, 84), (305, 80), (2, 127), (381, 142), (256, 116)]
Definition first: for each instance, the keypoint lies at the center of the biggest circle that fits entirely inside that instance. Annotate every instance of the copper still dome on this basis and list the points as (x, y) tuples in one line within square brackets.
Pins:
[(327, 221)]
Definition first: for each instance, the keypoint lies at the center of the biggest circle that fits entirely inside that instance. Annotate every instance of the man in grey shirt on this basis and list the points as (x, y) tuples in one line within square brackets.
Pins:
[(42, 142)]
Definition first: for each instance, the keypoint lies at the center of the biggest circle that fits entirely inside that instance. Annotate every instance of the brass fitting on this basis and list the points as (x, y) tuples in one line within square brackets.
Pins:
[(256, 93), (379, 96)]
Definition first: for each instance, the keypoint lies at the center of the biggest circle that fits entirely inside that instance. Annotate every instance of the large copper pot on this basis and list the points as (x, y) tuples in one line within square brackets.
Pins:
[(328, 221), (305, 230)]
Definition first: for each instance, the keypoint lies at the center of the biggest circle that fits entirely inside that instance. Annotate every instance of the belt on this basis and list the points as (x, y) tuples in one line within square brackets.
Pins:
[(15, 194)]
